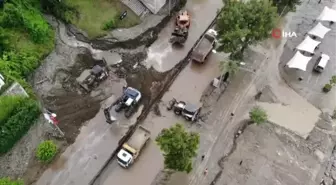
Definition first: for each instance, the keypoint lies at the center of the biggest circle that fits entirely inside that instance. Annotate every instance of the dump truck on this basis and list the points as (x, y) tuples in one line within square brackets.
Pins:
[(180, 33), (132, 147), (204, 46)]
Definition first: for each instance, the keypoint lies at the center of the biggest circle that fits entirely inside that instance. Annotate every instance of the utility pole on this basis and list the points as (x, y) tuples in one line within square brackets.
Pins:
[(169, 6)]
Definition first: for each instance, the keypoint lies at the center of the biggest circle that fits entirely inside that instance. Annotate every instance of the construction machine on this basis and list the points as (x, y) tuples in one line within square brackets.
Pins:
[(90, 79), (129, 102), (182, 24)]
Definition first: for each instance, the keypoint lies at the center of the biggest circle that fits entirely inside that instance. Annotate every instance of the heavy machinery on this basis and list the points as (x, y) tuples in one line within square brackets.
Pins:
[(204, 46), (182, 24), (129, 102), (189, 111), (132, 147), (90, 79)]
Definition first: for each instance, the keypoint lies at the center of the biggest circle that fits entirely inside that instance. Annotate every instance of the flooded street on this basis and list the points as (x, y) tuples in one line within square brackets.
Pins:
[(92, 148), (162, 56), (188, 86)]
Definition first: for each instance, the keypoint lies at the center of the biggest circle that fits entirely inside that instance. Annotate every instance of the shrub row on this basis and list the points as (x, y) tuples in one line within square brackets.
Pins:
[(18, 124), (28, 18), (7, 106), (8, 181)]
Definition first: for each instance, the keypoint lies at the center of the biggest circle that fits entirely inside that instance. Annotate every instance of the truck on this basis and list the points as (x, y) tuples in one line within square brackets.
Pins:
[(204, 46), (181, 30), (131, 149)]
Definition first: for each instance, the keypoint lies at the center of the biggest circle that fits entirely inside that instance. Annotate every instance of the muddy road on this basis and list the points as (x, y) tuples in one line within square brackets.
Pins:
[(151, 159), (162, 56)]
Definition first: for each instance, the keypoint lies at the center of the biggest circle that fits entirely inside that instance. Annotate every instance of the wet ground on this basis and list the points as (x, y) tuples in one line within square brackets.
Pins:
[(311, 85), (93, 147), (189, 86), (55, 84), (264, 164), (162, 56)]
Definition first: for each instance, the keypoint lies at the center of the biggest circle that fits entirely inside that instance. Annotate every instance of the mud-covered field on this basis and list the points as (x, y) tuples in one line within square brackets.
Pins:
[(55, 85)]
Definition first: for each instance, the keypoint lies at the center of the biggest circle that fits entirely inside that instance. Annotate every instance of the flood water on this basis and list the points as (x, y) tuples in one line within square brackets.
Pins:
[(161, 55), (188, 86)]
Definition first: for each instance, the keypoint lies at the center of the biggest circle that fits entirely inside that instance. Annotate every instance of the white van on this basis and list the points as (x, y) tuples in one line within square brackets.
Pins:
[(321, 63)]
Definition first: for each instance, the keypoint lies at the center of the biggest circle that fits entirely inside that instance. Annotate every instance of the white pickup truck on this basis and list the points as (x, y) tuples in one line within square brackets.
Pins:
[(131, 149)]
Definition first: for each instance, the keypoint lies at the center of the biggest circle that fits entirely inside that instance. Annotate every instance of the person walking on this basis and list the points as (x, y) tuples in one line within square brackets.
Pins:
[(203, 156), (206, 171)]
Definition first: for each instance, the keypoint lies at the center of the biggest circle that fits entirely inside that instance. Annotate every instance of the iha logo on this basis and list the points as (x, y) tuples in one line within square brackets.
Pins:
[(278, 34)]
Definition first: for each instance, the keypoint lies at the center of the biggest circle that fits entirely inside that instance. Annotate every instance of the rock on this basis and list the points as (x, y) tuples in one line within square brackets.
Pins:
[(333, 175), (320, 155)]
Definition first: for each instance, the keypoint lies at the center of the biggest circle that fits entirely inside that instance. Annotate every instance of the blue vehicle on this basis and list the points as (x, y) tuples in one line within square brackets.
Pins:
[(129, 101)]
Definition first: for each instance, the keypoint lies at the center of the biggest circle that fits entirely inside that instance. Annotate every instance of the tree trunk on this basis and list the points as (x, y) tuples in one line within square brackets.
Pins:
[(244, 47)]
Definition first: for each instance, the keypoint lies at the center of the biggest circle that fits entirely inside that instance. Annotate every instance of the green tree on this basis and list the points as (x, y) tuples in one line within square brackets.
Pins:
[(178, 147), (242, 24), (59, 9), (46, 151), (4, 41), (285, 6), (8, 181), (230, 67), (333, 80), (258, 115)]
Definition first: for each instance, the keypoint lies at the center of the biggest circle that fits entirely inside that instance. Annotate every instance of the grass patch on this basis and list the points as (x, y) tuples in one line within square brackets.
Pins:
[(95, 14)]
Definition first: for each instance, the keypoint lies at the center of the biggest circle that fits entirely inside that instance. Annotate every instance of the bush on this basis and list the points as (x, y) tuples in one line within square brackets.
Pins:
[(112, 24), (28, 18), (46, 151), (8, 181), (7, 106), (327, 87), (18, 124), (4, 41), (18, 65), (59, 9), (258, 115)]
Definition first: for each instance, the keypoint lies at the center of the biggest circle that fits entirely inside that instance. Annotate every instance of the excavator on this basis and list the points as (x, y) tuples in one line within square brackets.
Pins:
[(182, 24)]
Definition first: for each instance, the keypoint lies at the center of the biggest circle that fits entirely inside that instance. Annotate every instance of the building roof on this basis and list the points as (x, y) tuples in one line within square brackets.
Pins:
[(319, 30), (299, 61), (308, 44), (327, 14), (154, 5)]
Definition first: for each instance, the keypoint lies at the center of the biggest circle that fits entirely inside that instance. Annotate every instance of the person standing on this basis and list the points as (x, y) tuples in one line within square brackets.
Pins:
[(206, 171)]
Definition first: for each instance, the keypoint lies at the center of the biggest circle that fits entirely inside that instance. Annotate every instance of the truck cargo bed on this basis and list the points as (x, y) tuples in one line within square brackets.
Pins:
[(139, 138), (203, 48)]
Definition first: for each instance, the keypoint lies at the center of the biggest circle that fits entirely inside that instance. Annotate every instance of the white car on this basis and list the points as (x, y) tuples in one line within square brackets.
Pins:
[(321, 63)]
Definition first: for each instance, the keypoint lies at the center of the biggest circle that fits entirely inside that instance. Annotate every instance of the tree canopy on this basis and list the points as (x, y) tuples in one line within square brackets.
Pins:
[(178, 147), (285, 6), (241, 24), (231, 67)]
